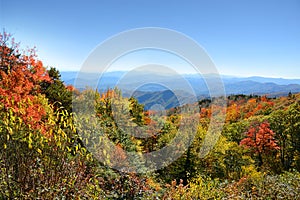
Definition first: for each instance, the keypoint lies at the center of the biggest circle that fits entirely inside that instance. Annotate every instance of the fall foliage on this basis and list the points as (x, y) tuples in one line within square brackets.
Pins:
[(47, 154), (260, 138), (20, 77)]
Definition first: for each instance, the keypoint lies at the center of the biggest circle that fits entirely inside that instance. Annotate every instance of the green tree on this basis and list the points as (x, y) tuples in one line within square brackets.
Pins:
[(56, 91), (286, 123)]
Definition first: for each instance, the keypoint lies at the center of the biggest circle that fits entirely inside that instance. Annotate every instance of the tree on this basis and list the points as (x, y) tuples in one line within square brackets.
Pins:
[(260, 140), (286, 123), (57, 93), (35, 139), (293, 128), (20, 78)]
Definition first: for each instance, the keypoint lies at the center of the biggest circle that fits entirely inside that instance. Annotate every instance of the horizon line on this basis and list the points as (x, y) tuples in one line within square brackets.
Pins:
[(220, 74)]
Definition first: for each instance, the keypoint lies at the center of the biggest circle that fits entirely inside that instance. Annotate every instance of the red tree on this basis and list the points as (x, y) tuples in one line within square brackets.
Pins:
[(261, 140), (20, 78)]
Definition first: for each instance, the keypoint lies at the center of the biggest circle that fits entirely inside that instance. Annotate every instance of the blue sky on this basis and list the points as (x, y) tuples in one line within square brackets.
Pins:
[(243, 37)]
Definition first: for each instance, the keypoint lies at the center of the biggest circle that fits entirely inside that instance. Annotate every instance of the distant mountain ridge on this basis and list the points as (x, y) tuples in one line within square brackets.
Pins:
[(154, 87)]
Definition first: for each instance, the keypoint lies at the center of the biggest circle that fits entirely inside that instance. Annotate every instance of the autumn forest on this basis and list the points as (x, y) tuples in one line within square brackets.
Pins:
[(44, 155)]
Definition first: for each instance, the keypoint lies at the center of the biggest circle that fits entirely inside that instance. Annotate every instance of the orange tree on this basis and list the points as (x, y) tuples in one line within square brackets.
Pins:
[(20, 76), (36, 139), (260, 140)]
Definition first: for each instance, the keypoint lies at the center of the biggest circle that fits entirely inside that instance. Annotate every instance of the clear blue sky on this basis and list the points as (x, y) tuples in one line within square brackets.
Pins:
[(243, 37)]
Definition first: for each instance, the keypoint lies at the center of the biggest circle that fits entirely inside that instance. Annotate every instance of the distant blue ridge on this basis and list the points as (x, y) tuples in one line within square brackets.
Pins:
[(152, 92)]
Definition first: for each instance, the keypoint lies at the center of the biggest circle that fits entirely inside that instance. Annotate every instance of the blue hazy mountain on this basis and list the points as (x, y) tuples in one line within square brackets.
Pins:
[(172, 90)]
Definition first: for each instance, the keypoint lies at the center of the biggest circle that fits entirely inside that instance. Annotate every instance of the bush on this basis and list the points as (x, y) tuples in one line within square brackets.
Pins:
[(284, 186)]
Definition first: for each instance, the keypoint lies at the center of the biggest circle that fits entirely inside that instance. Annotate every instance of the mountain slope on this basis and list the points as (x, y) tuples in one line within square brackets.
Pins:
[(152, 88)]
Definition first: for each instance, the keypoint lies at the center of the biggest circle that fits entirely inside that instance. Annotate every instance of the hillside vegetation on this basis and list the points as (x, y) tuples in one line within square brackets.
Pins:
[(48, 153)]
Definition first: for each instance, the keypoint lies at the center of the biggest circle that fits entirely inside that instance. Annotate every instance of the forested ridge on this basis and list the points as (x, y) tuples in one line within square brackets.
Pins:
[(43, 154)]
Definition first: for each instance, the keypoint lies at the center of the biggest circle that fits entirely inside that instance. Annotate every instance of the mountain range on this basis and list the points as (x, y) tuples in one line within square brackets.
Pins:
[(169, 90)]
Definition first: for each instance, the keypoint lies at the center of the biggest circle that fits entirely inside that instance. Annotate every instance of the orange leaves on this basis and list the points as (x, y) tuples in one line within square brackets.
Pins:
[(20, 76), (260, 138), (251, 101), (38, 72), (233, 113), (243, 108), (71, 88), (109, 94), (148, 120), (205, 112)]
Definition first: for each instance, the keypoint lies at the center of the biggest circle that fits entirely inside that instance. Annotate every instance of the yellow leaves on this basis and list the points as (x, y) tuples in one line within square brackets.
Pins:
[(68, 149), (222, 145), (50, 132), (58, 143), (30, 141), (39, 151), (89, 157), (10, 130), (250, 170)]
